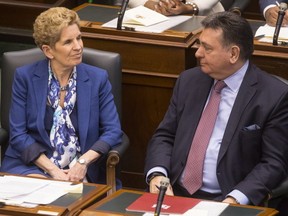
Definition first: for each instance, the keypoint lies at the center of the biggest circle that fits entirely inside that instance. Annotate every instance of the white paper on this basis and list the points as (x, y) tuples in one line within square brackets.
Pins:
[(48, 194), (156, 28), (23, 191), (203, 208), (13, 186), (267, 33), (214, 208), (143, 16), (191, 212)]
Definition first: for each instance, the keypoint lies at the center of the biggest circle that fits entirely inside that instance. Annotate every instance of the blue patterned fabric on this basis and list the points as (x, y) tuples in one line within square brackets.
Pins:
[(63, 136)]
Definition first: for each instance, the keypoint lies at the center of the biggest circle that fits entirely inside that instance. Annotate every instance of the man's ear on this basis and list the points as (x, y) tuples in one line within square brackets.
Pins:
[(235, 54), (47, 51)]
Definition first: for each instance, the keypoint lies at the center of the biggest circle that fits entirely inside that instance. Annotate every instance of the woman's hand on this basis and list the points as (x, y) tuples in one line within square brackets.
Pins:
[(172, 7), (77, 172), (59, 174), (49, 167)]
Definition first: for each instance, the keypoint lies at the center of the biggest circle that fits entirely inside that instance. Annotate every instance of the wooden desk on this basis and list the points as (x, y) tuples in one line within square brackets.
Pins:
[(151, 63), (270, 58), (69, 204), (116, 204)]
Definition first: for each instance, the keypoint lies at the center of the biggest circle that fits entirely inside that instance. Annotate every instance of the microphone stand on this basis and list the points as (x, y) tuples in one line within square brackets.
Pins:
[(164, 183), (121, 14), (281, 14)]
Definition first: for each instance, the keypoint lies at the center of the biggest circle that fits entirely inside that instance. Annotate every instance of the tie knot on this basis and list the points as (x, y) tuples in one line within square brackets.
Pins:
[(219, 85)]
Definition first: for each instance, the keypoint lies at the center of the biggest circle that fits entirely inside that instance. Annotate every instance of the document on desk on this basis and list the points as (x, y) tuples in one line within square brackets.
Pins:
[(203, 208), (17, 190), (145, 22), (143, 16), (265, 34)]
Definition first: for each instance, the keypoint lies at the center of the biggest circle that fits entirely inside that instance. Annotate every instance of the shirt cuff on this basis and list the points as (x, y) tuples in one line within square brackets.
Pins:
[(240, 197), (203, 5), (136, 3), (266, 8), (156, 169)]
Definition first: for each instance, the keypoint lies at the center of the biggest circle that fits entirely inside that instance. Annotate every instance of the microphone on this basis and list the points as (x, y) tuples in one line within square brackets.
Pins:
[(164, 183), (281, 14), (121, 14)]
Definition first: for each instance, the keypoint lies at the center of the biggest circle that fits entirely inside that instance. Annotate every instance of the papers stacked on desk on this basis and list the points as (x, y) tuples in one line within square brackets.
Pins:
[(265, 34), (29, 192), (146, 20)]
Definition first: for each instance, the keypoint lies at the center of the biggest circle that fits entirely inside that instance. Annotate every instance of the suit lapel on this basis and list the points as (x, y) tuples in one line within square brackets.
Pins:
[(83, 103), (246, 92), (40, 83)]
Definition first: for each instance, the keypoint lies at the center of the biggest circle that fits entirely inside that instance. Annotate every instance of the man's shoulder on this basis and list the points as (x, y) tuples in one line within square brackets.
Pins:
[(193, 72), (266, 79)]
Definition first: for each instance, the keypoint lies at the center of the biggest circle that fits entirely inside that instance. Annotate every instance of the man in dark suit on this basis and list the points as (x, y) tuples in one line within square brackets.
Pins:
[(270, 9), (247, 154)]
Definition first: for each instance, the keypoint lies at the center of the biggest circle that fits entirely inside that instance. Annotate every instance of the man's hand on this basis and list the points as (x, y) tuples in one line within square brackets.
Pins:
[(271, 16), (155, 182), (151, 4), (230, 200)]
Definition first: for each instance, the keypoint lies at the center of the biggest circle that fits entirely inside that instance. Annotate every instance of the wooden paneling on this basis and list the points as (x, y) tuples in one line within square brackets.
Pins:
[(253, 11), (17, 17)]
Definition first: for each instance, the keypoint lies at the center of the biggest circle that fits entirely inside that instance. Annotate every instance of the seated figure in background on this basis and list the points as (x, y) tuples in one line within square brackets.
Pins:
[(176, 7), (270, 9)]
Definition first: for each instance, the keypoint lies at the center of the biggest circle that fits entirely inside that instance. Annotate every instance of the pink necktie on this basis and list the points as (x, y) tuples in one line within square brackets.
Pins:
[(193, 172)]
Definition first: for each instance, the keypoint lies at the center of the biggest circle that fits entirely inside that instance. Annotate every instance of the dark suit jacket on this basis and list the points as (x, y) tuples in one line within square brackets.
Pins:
[(252, 161), (98, 123), (265, 3)]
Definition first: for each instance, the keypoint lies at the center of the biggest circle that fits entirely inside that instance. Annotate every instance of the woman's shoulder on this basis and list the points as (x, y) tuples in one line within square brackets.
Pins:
[(91, 69), (29, 69), (91, 72)]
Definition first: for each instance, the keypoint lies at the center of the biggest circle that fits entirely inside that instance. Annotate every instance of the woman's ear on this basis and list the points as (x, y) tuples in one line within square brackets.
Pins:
[(47, 51)]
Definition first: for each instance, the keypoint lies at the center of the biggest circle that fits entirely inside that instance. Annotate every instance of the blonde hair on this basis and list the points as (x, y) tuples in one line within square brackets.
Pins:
[(50, 23)]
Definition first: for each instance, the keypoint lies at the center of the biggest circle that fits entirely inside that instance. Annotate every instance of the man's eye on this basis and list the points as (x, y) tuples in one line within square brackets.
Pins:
[(197, 43)]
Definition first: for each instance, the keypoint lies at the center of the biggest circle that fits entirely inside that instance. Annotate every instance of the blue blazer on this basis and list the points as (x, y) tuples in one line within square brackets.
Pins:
[(264, 3), (253, 156), (98, 123)]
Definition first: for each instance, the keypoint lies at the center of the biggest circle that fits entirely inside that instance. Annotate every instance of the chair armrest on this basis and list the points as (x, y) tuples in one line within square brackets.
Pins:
[(3, 136), (282, 189), (239, 6), (236, 10), (3, 141), (121, 149), (113, 159)]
